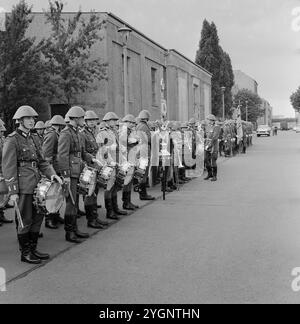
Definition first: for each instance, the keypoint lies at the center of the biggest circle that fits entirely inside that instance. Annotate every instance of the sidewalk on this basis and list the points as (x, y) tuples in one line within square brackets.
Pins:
[(53, 241)]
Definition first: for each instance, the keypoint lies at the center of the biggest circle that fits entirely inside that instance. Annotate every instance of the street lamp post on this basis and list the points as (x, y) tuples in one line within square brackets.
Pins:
[(125, 32), (223, 101)]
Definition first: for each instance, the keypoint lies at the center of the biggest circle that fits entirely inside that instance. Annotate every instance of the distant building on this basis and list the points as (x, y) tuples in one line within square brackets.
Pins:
[(268, 113), (244, 81), (150, 65)]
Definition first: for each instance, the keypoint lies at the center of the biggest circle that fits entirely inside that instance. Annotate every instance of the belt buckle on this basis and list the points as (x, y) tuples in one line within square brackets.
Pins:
[(34, 164)]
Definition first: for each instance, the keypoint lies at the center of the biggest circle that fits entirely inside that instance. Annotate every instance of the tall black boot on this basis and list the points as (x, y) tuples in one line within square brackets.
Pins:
[(109, 210), (33, 237), (26, 255), (91, 219), (126, 203), (116, 209), (50, 221), (58, 219), (70, 235), (130, 202), (78, 233), (209, 173), (215, 173), (143, 193)]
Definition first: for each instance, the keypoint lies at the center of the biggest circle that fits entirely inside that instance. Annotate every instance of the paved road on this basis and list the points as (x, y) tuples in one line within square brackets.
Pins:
[(234, 241)]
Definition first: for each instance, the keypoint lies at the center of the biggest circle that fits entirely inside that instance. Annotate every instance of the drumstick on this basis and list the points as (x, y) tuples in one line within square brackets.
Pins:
[(71, 195), (19, 217)]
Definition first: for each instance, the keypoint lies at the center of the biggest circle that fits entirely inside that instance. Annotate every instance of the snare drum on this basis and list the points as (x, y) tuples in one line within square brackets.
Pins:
[(141, 169), (49, 195), (4, 197), (106, 178), (87, 181)]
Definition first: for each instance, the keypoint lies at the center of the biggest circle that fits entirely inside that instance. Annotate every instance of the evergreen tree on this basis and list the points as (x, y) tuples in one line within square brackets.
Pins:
[(227, 80), (254, 104), (209, 56), (21, 77), (67, 52)]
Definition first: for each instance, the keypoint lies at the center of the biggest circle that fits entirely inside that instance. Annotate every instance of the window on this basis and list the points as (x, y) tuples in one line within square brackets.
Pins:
[(153, 86)]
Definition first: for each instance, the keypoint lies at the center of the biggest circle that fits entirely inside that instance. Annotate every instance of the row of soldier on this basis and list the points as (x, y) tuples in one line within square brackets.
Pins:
[(60, 149)]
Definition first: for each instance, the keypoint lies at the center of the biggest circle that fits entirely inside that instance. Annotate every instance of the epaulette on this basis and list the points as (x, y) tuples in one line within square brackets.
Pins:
[(12, 134)]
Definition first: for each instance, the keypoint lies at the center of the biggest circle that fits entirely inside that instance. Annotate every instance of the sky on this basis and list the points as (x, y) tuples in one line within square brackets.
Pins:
[(261, 36)]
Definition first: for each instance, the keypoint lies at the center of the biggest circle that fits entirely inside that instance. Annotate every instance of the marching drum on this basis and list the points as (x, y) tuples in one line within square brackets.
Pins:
[(107, 176), (87, 181), (49, 195), (141, 169), (125, 174), (4, 197)]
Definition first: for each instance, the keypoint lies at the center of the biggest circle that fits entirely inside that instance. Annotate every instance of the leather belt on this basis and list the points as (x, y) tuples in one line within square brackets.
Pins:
[(28, 163)]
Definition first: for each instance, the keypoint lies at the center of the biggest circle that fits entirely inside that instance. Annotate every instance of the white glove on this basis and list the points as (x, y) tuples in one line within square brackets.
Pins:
[(14, 198), (56, 178)]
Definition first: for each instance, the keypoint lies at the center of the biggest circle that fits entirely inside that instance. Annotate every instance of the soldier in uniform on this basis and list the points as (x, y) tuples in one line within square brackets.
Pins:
[(145, 135), (88, 133), (3, 219), (108, 140), (70, 156), (49, 148), (39, 129), (22, 162), (211, 148), (128, 140)]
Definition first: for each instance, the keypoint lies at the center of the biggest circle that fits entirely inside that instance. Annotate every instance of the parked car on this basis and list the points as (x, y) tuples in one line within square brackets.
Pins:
[(263, 130)]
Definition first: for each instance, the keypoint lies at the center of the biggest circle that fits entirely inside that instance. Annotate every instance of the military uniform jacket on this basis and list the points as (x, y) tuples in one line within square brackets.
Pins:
[(108, 141), (71, 153), (50, 146), (144, 132), (90, 142), (212, 139), (22, 162)]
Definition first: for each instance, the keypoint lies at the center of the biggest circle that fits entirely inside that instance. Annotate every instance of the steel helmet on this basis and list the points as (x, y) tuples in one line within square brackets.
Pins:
[(102, 125), (39, 125), (76, 112), (91, 115), (110, 116), (192, 121), (211, 117), (129, 119), (144, 114), (184, 125), (67, 119), (57, 120), (47, 124), (2, 127), (25, 111)]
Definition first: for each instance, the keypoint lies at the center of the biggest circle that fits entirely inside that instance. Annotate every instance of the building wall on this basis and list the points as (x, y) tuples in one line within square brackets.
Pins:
[(188, 86), (268, 116)]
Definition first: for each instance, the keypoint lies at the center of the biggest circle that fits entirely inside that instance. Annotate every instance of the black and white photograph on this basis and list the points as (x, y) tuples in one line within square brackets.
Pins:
[(149, 155)]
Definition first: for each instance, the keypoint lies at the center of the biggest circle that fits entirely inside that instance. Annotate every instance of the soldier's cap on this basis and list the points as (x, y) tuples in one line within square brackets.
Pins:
[(39, 125), (57, 120), (91, 115), (144, 114), (129, 118), (211, 117), (184, 125), (76, 112), (25, 111), (192, 121), (103, 125), (110, 116), (47, 124)]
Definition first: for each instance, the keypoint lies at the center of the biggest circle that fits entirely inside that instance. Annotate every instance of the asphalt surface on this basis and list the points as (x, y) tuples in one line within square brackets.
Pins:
[(233, 241)]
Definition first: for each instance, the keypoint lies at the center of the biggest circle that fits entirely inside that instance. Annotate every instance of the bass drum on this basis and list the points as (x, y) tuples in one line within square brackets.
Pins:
[(87, 181), (4, 197), (49, 195)]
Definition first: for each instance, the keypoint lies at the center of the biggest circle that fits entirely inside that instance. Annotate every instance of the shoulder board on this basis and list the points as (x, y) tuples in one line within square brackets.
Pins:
[(12, 134)]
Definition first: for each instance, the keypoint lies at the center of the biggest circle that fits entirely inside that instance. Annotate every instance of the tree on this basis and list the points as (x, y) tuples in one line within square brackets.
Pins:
[(227, 80), (211, 56), (295, 99), (21, 77), (67, 53), (254, 104)]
